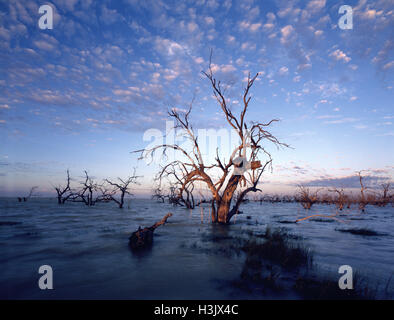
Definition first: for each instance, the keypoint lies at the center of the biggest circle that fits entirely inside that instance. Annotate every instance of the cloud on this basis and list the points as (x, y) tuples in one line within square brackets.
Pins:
[(348, 181), (192, 26), (283, 71), (287, 33), (343, 120), (339, 55), (315, 5), (209, 21), (252, 27), (168, 46)]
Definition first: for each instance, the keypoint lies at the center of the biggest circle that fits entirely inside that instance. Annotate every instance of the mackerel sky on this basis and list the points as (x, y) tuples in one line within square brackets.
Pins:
[(81, 95)]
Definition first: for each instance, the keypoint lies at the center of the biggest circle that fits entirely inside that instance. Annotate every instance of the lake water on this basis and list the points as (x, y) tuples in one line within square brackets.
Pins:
[(87, 248)]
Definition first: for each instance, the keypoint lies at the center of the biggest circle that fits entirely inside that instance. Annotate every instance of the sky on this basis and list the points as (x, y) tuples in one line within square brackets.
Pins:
[(86, 93)]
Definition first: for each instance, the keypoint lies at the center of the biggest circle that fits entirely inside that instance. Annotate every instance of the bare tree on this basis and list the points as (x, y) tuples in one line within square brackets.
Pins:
[(158, 194), (85, 194), (363, 201), (385, 198), (64, 193), (123, 186), (231, 173), (341, 199), (306, 197), (32, 189), (180, 194)]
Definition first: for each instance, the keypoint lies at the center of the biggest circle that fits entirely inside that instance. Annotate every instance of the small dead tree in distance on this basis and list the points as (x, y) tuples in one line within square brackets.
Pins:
[(306, 197), (223, 189), (363, 201), (32, 189), (63, 193), (176, 173), (123, 186), (341, 199)]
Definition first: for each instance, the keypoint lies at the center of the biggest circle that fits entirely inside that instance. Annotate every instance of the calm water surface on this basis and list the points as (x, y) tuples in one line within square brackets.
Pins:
[(87, 248)]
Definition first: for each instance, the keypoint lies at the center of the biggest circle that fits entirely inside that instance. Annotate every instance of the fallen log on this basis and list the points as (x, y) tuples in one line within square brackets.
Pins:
[(143, 238)]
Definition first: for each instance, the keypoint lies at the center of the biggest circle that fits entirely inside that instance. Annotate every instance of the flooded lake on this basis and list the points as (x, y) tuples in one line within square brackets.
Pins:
[(87, 247)]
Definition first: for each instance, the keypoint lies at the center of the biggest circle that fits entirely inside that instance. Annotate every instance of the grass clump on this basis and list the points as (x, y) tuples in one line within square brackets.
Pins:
[(279, 248)]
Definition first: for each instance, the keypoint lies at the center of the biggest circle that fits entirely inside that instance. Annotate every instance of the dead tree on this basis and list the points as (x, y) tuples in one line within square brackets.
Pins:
[(385, 197), (341, 199), (143, 238), (158, 195), (175, 174), (29, 195), (243, 167), (123, 187), (306, 197), (362, 202), (85, 194), (64, 193)]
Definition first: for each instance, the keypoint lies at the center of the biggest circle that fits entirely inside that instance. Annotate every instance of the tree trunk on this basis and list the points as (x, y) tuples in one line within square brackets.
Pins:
[(121, 200), (225, 201)]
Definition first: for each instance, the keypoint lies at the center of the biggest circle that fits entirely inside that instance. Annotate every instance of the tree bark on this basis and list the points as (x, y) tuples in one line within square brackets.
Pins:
[(225, 201)]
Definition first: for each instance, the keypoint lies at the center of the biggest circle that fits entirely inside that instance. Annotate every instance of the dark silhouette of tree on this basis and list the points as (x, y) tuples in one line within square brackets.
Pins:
[(64, 192), (123, 187), (29, 196)]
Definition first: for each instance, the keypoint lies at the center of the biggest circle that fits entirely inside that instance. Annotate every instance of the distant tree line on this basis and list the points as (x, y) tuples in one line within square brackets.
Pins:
[(90, 192), (304, 195)]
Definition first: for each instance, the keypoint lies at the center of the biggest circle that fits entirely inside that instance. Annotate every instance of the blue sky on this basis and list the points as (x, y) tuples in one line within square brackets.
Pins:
[(81, 95)]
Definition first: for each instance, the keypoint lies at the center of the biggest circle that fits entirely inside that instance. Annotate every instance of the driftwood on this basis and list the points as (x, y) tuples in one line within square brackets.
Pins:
[(143, 238)]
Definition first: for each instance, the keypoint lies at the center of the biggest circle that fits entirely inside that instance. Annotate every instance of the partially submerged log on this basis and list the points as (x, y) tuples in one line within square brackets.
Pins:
[(143, 238)]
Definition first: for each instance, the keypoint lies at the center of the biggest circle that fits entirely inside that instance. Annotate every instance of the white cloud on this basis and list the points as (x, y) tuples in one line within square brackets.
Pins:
[(340, 121), (315, 5), (340, 55), (252, 27), (283, 71), (192, 26), (287, 32), (209, 20)]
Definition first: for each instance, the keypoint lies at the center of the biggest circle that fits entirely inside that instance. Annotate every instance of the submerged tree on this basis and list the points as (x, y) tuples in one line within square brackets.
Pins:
[(307, 197), (175, 174), (86, 192), (64, 192), (243, 168), (341, 199), (363, 201), (32, 189), (123, 187)]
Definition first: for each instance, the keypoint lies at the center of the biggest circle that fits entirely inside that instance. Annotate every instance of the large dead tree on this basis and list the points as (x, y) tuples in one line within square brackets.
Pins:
[(243, 168), (123, 187)]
